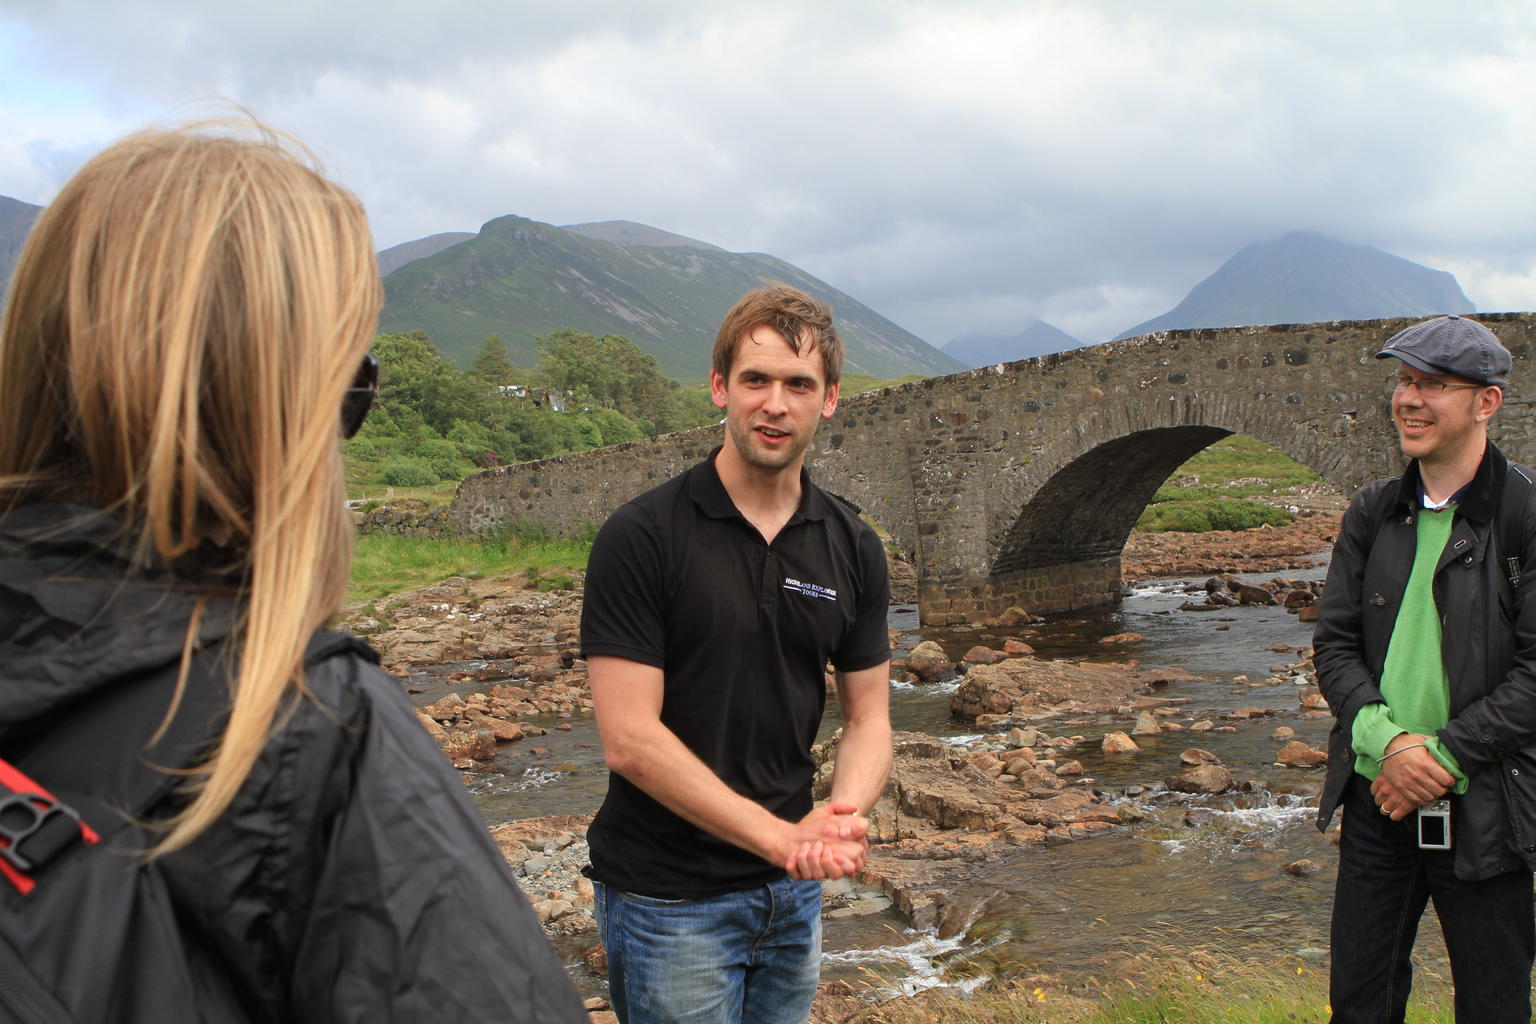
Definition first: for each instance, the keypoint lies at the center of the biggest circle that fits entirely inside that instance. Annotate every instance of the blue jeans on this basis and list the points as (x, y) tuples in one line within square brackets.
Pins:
[(750, 957), (1384, 883)]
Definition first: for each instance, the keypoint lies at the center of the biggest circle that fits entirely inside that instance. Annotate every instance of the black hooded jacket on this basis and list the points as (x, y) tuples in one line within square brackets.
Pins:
[(351, 879)]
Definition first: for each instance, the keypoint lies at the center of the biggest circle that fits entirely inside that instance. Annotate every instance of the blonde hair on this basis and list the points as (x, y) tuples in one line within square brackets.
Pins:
[(182, 325)]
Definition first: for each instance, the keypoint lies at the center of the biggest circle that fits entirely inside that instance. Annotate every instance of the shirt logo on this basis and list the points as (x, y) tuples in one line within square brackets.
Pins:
[(809, 589)]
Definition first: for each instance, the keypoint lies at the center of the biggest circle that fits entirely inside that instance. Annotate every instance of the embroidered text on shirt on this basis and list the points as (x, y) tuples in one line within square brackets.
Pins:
[(809, 589)]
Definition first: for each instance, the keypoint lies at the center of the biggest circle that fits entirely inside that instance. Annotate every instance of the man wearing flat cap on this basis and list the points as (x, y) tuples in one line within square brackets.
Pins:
[(1426, 652)]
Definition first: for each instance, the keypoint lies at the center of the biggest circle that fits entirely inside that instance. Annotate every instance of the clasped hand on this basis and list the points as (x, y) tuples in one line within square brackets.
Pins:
[(1410, 779), (829, 842)]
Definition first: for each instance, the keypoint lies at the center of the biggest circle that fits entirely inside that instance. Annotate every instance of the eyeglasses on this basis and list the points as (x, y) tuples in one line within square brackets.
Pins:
[(1426, 386), (358, 399)]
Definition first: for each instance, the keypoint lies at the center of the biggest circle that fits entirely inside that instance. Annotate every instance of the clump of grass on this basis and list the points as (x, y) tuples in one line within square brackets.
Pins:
[(1234, 484), (546, 581), (385, 564), (1201, 515)]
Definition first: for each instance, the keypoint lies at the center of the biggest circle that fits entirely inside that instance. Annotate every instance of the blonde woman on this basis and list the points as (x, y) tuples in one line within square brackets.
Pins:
[(186, 339)]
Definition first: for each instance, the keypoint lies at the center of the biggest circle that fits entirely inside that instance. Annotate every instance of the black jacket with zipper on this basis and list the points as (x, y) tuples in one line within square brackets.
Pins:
[(351, 879), (1488, 645)]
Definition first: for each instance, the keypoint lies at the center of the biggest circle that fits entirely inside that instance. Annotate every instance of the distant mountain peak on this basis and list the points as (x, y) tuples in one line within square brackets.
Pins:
[(1306, 277), (630, 233), (16, 219), (397, 256), (986, 348)]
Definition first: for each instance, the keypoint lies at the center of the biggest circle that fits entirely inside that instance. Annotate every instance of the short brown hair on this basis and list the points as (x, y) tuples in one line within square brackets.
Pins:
[(799, 319)]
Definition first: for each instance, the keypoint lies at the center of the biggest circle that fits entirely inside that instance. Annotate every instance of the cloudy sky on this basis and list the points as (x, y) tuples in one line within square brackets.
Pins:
[(956, 165)]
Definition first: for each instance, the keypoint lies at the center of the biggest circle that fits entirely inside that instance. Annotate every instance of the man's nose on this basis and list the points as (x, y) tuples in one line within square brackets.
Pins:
[(774, 404)]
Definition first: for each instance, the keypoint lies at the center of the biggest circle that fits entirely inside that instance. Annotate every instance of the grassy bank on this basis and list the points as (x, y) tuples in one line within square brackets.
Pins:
[(1235, 484), (1203, 987), (385, 564)]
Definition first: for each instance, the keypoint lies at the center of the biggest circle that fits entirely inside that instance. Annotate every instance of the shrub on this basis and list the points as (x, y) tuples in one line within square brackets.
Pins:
[(362, 449), (407, 472), (1245, 515), (1173, 517)]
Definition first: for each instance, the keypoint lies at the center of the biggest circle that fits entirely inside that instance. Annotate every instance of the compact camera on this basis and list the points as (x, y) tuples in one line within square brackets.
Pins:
[(1435, 825)]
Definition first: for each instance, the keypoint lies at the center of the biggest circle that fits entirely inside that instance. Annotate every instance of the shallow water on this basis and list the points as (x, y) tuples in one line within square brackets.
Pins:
[(1079, 908)]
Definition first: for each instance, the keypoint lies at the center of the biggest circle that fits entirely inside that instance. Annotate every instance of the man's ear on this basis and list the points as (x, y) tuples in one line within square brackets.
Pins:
[(829, 402), (1489, 401), (717, 389)]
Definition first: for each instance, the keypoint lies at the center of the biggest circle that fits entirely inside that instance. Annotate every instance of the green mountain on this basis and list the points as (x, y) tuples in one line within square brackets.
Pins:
[(16, 219), (627, 232), (523, 279), (1304, 278)]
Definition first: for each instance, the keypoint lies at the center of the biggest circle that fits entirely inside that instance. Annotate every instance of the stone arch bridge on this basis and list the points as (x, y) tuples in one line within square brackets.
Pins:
[(1017, 484)]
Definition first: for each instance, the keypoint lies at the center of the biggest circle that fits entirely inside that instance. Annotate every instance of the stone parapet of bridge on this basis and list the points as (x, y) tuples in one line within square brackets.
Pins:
[(1016, 485)]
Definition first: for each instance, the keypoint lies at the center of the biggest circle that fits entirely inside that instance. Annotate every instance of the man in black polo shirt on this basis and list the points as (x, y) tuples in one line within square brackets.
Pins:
[(713, 604)]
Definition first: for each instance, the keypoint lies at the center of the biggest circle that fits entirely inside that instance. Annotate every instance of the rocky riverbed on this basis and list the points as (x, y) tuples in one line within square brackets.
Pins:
[(1019, 781)]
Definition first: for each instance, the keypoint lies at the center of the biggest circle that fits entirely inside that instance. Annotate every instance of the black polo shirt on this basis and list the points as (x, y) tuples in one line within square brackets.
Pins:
[(678, 579)]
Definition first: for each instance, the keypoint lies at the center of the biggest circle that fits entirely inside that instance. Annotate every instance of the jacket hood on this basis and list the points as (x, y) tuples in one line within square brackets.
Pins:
[(77, 616)]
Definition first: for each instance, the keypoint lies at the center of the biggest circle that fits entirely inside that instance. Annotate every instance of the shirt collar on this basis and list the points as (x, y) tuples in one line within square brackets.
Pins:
[(707, 491), (1431, 506), (1475, 501)]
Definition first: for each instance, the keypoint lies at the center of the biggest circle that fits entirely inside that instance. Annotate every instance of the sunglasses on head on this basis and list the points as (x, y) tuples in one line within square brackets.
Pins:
[(358, 398)]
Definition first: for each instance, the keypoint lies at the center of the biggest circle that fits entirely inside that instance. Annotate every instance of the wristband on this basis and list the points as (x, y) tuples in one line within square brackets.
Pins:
[(1399, 750)]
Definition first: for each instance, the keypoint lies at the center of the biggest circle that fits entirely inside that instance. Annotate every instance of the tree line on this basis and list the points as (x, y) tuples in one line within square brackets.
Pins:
[(433, 421)]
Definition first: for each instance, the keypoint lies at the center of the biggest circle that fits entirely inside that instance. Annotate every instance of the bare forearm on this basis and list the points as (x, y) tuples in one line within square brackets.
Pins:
[(864, 753), (863, 763), (659, 763), (627, 699)]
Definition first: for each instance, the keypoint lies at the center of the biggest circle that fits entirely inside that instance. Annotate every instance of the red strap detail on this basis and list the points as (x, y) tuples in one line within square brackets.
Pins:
[(22, 883), (15, 780), (12, 779)]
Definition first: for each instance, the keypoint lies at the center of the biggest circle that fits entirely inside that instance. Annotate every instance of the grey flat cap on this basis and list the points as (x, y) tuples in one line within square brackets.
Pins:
[(1452, 345)]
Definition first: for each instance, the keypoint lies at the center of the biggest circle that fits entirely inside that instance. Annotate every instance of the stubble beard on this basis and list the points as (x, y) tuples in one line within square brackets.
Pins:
[(744, 439)]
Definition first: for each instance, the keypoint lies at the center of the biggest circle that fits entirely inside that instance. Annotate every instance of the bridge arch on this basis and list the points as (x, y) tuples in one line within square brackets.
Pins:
[(1017, 484)]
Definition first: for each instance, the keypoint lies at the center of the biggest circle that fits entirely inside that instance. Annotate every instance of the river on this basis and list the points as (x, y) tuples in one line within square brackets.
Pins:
[(1202, 873)]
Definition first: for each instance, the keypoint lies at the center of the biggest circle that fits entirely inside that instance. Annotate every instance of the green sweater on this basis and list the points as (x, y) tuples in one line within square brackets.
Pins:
[(1413, 681)]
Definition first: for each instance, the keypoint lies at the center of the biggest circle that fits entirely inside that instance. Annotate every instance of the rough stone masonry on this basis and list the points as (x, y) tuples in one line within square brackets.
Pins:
[(1017, 484)]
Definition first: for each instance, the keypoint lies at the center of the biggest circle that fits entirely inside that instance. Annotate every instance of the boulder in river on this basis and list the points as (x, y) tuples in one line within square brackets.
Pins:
[(1025, 686), (928, 662), (1203, 778), (473, 744), (1297, 754), (1026, 736), (981, 655), (1119, 743)]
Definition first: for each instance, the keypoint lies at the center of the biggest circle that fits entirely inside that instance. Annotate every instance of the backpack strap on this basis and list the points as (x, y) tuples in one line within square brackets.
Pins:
[(35, 827), (99, 753), (1514, 498)]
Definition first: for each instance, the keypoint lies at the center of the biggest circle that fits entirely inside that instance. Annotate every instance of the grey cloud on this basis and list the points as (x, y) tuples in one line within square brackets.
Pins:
[(952, 165)]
